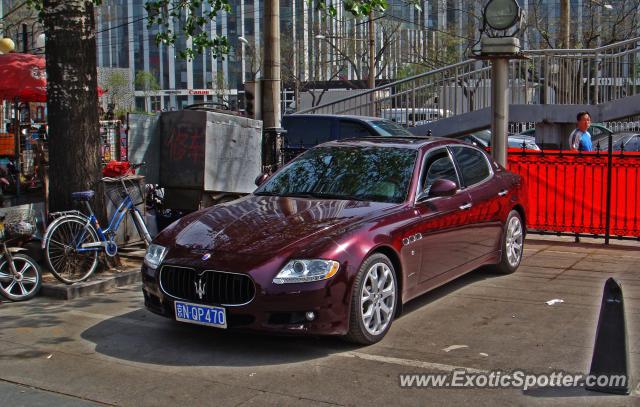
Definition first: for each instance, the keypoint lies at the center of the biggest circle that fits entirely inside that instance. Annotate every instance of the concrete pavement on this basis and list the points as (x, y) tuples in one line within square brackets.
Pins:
[(108, 349)]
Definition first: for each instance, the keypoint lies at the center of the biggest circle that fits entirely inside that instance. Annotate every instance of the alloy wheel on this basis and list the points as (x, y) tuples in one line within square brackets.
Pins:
[(514, 241), (378, 298)]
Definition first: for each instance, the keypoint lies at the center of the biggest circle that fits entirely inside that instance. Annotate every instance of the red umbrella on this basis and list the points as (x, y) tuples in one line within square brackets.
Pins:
[(23, 76)]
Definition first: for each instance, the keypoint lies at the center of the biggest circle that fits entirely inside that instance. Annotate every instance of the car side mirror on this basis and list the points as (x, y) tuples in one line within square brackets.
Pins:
[(443, 187), (260, 179), (440, 187)]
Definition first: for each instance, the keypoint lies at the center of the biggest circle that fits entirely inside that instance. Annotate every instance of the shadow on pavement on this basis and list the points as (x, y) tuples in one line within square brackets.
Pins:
[(140, 336), (559, 392), (475, 276)]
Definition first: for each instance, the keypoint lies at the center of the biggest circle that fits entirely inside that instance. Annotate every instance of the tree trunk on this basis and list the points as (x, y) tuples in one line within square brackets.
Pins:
[(72, 102)]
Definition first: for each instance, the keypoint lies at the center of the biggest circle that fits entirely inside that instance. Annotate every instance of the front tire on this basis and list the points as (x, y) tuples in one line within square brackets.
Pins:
[(373, 301), (26, 284), (64, 261), (512, 244)]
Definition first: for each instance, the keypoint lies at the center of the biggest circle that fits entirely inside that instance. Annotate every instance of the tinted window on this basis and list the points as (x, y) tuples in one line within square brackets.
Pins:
[(632, 144), (596, 132), (472, 140), (349, 129), (362, 173), (387, 128), (515, 142), (307, 131), (473, 164), (439, 166)]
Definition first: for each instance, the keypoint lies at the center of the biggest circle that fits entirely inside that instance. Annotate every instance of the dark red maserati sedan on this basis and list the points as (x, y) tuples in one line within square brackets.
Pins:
[(337, 240)]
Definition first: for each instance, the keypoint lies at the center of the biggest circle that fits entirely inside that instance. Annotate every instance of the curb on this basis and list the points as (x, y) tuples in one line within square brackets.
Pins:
[(103, 282)]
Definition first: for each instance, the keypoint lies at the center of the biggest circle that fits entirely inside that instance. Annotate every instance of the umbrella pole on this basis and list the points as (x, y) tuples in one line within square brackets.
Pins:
[(16, 140)]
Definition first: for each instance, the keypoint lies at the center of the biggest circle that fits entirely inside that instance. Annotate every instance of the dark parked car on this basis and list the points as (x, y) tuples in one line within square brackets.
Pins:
[(337, 240), (307, 130), (628, 140), (482, 139)]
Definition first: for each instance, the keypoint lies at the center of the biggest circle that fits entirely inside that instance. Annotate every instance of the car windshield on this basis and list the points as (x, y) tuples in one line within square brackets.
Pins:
[(388, 128), (380, 174)]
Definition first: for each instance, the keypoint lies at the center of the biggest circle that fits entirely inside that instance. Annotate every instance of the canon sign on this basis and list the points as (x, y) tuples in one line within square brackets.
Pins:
[(200, 92)]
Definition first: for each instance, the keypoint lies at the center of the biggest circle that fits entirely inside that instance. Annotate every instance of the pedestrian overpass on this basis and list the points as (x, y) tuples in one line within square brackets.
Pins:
[(546, 86)]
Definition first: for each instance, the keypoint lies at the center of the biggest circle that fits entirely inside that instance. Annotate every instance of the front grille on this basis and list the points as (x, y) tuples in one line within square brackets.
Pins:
[(209, 287)]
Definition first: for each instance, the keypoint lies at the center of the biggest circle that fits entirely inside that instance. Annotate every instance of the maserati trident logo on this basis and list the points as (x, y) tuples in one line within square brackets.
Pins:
[(200, 287)]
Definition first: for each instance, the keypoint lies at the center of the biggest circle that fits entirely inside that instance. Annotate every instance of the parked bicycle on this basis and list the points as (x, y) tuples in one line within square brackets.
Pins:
[(73, 241), (20, 275)]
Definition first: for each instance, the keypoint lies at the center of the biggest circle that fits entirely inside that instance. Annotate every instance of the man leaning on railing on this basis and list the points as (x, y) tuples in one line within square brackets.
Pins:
[(580, 139)]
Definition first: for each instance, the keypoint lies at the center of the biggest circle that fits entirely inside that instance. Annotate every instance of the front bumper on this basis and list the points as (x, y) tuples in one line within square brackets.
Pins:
[(274, 308)]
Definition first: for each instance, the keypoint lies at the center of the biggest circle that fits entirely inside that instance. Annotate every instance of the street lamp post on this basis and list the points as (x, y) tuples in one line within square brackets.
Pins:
[(254, 61), (502, 18)]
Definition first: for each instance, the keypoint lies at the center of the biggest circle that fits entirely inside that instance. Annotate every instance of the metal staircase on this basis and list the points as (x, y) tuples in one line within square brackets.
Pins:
[(545, 77)]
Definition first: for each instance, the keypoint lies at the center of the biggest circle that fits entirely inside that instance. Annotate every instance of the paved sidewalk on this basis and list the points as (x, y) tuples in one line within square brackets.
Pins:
[(108, 349)]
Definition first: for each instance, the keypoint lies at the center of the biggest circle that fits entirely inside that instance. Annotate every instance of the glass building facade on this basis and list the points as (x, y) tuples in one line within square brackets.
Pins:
[(315, 48)]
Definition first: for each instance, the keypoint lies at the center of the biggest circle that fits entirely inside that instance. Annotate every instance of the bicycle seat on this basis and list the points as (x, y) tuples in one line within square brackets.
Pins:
[(82, 195)]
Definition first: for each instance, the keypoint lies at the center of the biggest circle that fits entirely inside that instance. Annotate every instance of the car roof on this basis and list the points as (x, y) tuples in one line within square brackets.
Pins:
[(339, 116), (413, 143), (522, 136), (624, 134)]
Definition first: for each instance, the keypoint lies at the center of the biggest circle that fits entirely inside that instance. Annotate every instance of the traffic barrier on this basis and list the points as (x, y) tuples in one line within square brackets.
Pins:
[(610, 352)]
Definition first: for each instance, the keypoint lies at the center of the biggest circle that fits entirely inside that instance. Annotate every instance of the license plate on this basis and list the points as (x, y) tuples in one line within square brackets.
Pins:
[(201, 314)]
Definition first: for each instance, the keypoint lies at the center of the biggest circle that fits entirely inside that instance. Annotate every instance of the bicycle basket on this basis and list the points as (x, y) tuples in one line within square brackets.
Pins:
[(20, 223), (115, 192)]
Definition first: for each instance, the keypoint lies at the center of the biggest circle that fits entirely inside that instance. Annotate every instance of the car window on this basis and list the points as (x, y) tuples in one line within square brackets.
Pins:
[(473, 165), (632, 144), (438, 166), (350, 129), (596, 132), (307, 131), (388, 128), (380, 174), (470, 139)]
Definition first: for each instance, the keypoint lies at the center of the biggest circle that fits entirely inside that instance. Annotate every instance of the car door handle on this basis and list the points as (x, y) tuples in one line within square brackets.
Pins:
[(465, 206), (503, 192)]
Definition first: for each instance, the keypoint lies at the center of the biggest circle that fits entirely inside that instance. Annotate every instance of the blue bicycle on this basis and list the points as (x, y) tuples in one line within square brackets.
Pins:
[(73, 241)]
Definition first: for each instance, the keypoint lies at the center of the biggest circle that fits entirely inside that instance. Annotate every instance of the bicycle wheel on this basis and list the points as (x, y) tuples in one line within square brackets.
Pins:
[(65, 262), (26, 284)]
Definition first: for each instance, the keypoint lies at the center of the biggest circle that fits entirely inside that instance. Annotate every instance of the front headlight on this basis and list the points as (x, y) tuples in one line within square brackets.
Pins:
[(302, 271), (154, 256)]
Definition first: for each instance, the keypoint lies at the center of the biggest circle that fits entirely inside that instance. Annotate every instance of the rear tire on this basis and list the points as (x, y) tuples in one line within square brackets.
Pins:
[(22, 287), (64, 262), (373, 300), (512, 244)]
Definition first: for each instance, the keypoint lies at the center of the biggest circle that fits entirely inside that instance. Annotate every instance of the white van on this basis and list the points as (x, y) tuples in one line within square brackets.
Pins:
[(414, 116)]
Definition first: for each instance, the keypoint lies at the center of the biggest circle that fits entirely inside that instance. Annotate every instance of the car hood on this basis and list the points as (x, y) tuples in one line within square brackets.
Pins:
[(265, 225)]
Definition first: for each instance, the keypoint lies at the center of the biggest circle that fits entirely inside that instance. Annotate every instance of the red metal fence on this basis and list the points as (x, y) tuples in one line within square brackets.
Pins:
[(588, 193)]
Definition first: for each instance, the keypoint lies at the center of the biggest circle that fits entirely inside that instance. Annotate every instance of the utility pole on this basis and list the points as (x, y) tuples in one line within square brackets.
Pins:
[(372, 50), (271, 79), (372, 63), (272, 133), (564, 24)]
